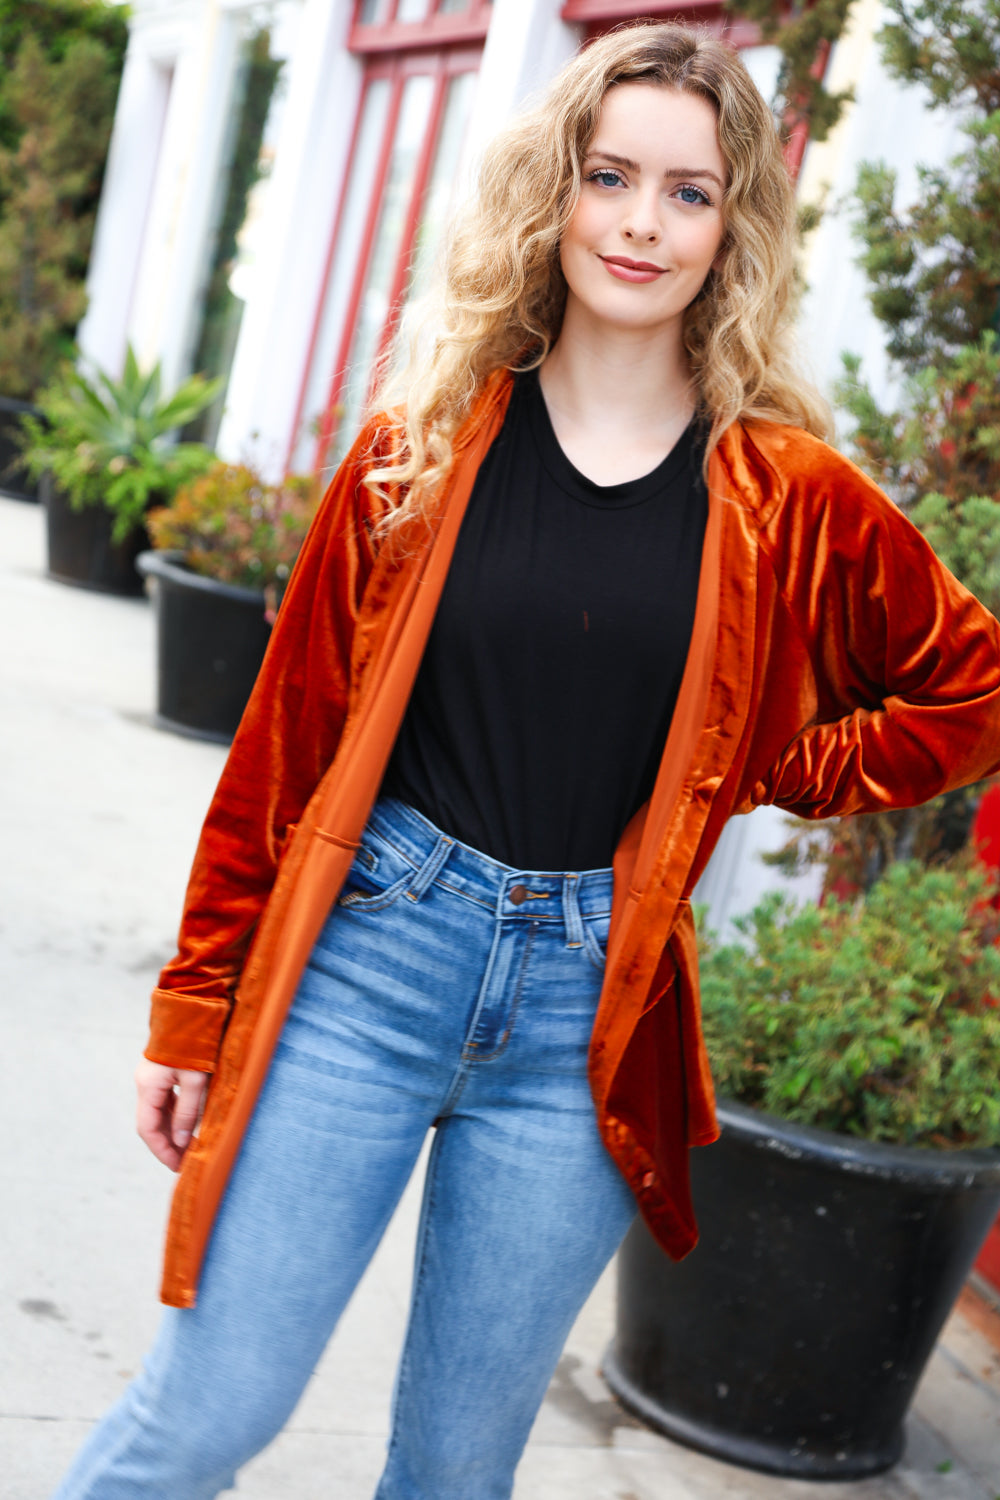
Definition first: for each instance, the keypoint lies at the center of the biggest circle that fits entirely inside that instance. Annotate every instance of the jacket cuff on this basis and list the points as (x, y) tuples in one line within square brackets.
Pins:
[(185, 1032)]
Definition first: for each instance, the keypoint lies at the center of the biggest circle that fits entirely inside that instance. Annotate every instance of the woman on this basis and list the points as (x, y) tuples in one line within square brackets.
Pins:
[(543, 623)]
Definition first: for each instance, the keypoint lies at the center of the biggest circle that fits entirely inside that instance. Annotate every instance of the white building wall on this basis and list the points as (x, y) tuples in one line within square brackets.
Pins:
[(323, 85)]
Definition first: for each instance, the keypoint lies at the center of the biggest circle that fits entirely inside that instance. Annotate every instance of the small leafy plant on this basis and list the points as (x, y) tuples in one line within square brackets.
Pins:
[(107, 442), (878, 1019), (230, 525)]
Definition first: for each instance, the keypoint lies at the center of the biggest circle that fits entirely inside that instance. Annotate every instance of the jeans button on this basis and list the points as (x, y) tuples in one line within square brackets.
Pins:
[(518, 893)]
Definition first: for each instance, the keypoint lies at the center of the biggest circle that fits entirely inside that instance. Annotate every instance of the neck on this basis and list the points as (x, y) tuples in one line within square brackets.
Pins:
[(630, 379)]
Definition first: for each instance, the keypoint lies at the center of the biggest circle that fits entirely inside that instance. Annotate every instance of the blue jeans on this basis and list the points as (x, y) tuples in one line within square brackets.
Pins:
[(445, 988)]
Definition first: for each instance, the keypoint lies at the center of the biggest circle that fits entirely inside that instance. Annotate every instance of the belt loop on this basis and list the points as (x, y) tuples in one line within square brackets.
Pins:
[(571, 912), (430, 868)]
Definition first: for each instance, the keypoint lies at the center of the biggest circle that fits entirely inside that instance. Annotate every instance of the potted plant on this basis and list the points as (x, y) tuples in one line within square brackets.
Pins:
[(858, 1050), (103, 454), (225, 545)]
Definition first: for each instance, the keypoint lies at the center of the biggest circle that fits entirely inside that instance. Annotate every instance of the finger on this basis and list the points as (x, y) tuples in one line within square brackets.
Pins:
[(154, 1108), (187, 1107), (154, 1130)]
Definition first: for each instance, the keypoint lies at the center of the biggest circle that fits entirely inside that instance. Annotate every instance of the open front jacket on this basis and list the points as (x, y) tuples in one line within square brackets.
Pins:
[(834, 667)]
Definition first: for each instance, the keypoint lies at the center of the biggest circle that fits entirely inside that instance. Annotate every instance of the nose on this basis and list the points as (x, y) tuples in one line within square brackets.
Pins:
[(642, 221)]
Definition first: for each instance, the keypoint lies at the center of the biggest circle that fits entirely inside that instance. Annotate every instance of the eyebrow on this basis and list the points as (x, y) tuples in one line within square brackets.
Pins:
[(633, 166)]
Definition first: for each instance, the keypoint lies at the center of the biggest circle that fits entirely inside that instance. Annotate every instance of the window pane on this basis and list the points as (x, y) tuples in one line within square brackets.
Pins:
[(374, 12), (348, 248), (457, 108), (451, 7), (418, 93), (239, 195), (412, 10)]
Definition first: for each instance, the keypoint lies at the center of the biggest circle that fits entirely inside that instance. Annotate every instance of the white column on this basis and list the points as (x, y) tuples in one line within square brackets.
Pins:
[(172, 261), (323, 83), (527, 44), (124, 209)]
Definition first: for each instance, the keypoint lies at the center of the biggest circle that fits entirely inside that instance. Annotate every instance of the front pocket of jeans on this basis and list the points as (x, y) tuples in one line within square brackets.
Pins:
[(359, 900), (375, 879), (593, 947)]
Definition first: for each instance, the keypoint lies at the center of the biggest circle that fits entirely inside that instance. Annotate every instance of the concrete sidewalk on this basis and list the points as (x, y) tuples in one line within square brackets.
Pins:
[(100, 812)]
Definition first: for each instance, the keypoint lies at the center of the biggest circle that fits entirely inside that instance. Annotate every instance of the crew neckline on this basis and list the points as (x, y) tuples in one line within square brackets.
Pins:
[(678, 463)]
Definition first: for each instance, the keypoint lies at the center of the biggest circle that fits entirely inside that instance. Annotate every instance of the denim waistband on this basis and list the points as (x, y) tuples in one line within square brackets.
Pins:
[(538, 895)]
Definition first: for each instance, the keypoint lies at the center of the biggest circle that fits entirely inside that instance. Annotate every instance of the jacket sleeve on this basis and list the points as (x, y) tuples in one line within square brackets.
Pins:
[(285, 742), (906, 661)]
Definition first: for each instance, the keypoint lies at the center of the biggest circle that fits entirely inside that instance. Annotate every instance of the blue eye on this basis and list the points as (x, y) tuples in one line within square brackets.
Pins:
[(690, 194), (605, 176)]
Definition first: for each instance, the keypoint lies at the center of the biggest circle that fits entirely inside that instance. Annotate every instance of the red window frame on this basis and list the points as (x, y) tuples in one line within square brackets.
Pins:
[(437, 29), (442, 45)]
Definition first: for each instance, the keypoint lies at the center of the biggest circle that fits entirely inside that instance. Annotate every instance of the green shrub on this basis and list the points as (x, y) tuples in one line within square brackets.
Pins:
[(107, 442), (56, 107), (878, 1020), (231, 525)]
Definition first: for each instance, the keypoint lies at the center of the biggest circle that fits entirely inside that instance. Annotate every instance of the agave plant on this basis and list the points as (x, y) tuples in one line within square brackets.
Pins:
[(109, 442)]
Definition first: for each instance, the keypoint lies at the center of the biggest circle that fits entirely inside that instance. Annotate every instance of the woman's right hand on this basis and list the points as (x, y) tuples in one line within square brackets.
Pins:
[(170, 1105)]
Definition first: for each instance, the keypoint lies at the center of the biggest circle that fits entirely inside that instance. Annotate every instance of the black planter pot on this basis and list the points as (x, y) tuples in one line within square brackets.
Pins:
[(14, 480), (210, 641), (793, 1337), (80, 549)]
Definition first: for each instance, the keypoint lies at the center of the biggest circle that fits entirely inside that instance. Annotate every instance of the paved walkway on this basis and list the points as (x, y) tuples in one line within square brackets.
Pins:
[(99, 815)]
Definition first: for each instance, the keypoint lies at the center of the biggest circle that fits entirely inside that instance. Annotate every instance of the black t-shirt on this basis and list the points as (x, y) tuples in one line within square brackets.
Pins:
[(543, 701)]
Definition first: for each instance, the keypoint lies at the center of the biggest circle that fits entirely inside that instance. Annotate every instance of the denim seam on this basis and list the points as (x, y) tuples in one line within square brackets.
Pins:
[(455, 1090), (469, 1052), (515, 1005), (593, 950), (457, 891), (427, 1210)]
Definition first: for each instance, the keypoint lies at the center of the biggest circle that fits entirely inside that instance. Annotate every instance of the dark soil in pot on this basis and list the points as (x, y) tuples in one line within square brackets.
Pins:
[(210, 642), (14, 480), (80, 548), (793, 1337)]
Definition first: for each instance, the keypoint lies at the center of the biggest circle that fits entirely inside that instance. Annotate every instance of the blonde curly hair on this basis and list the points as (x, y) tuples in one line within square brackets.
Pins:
[(500, 297)]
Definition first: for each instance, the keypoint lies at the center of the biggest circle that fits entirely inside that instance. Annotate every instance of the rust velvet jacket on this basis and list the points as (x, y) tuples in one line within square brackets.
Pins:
[(834, 667)]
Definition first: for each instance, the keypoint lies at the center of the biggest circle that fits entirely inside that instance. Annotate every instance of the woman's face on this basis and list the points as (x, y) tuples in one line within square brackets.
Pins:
[(649, 222)]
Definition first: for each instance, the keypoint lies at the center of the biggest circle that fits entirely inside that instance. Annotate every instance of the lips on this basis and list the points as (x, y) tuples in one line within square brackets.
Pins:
[(635, 271), (630, 265)]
